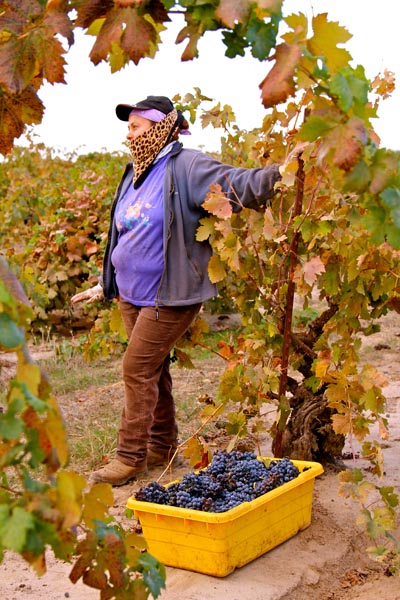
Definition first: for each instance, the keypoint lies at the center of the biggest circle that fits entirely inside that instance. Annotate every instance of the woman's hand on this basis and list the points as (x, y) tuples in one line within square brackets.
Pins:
[(91, 295)]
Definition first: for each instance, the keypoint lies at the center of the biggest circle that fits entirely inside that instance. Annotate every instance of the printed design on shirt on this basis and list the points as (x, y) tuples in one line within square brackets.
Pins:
[(133, 215)]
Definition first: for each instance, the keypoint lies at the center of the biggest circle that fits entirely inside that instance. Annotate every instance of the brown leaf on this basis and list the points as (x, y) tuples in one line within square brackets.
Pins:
[(139, 37), (79, 568), (347, 141), (53, 61), (231, 12), (312, 269), (191, 51), (15, 112), (17, 64), (217, 203), (95, 578), (279, 84), (90, 10), (12, 21), (56, 20), (126, 28)]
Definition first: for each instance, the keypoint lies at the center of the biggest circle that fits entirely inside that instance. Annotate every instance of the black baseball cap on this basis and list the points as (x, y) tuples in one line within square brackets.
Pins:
[(161, 103)]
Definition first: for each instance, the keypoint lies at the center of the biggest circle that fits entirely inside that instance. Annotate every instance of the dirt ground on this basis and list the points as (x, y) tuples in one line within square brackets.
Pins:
[(326, 561)]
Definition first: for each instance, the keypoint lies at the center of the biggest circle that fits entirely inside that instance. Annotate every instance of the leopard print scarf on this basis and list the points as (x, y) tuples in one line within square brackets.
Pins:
[(145, 148)]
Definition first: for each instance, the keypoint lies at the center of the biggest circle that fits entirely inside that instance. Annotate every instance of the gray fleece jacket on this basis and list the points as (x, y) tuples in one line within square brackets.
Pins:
[(187, 180)]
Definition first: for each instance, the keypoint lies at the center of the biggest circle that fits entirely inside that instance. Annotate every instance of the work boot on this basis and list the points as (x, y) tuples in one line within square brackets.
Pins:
[(161, 458), (117, 473)]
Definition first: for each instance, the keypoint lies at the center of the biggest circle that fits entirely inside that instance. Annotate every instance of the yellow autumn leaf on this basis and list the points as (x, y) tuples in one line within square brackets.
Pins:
[(322, 367), (55, 431), (206, 229), (96, 503), (325, 42), (30, 375), (341, 424), (134, 544), (371, 378), (216, 270), (69, 490)]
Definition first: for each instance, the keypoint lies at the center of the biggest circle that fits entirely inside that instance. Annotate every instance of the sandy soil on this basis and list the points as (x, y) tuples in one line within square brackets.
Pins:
[(326, 561)]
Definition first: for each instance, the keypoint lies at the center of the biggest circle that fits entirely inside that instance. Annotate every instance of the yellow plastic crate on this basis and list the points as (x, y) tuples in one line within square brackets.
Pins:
[(218, 543)]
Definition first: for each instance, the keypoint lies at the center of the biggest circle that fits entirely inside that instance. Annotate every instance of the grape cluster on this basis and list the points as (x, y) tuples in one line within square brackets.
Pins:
[(231, 479)]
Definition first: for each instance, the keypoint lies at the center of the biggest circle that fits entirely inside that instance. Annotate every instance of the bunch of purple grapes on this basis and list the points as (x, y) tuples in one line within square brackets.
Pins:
[(231, 479)]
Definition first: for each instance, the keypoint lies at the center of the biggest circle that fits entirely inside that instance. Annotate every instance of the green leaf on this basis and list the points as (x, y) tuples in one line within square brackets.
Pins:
[(340, 89), (153, 573), (13, 530), (11, 426), (315, 127), (235, 45), (262, 37), (389, 496), (11, 336), (358, 179)]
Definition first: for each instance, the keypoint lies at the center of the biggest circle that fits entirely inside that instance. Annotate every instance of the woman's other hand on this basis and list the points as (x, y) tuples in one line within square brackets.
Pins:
[(91, 295)]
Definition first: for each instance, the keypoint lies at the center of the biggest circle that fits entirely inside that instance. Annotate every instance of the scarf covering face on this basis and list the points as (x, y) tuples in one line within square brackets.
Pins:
[(146, 146)]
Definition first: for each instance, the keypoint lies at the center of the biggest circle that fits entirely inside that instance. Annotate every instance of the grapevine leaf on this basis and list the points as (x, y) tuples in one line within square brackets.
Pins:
[(269, 229), (127, 28), (358, 179), (346, 141), (116, 323), (51, 56), (18, 64), (90, 10), (312, 269), (55, 431), (279, 84), (192, 32), (235, 45), (384, 170), (389, 496), (15, 112), (196, 453), (11, 336), (216, 269), (57, 21), (230, 13), (205, 229), (30, 376), (11, 427), (217, 203), (96, 502), (314, 127), (325, 42), (14, 529), (95, 577), (391, 198), (69, 489), (262, 37), (299, 27), (153, 573), (339, 88)]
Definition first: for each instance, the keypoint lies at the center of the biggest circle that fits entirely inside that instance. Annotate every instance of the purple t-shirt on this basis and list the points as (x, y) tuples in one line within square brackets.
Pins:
[(138, 258)]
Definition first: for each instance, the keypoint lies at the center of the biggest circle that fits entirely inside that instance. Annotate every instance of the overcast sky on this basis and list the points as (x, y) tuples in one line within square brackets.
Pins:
[(81, 115)]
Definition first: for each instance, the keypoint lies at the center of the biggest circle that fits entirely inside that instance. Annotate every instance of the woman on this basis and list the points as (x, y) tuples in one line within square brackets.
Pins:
[(158, 271)]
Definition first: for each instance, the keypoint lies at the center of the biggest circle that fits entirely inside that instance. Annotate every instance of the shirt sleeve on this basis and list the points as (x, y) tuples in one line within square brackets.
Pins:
[(245, 187)]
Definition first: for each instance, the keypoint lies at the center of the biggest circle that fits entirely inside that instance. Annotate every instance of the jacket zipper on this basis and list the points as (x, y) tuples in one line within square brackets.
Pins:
[(168, 236)]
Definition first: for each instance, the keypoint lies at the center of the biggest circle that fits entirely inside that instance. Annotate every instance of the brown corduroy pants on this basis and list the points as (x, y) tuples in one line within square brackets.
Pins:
[(148, 416)]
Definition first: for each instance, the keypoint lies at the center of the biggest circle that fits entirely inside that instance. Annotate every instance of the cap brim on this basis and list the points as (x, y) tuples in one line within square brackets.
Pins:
[(123, 111)]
